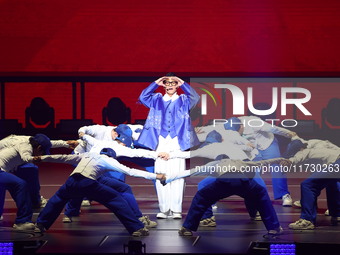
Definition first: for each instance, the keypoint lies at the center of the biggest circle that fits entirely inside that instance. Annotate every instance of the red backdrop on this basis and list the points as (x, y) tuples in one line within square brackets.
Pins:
[(187, 37)]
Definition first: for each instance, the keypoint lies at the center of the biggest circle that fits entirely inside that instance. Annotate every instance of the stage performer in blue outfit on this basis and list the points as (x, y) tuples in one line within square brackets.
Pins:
[(168, 128)]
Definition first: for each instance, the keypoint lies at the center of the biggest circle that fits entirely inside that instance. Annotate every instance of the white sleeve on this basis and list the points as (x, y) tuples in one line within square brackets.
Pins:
[(300, 157), (91, 130), (62, 158), (25, 151), (330, 145), (90, 140), (208, 151), (140, 153), (82, 130), (236, 138), (114, 165), (59, 144), (276, 130), (181, 174)]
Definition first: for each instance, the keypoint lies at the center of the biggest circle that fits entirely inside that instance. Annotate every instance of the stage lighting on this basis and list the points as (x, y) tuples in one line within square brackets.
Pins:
[(280, 249), (6, 248), (265, 248)]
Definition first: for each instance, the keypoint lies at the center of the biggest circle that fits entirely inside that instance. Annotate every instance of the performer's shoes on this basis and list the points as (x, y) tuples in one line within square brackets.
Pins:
[(301, 224), (147, 222), (86, 203), (335, 220), (24, 226), (275, 232), (43, 201), (208, 222), (184, 232), (41, 204), (327, 212), (39, 228), (257, 217), (176, 215), (67, 219), (287, 200), (162, 215), (141, 232), (297, 203)]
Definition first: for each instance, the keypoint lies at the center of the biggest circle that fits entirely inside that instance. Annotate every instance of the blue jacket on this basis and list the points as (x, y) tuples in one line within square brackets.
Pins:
[(180, 116)]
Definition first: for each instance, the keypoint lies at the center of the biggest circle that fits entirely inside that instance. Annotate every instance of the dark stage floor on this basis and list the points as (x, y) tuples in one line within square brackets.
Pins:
[(98, 231)]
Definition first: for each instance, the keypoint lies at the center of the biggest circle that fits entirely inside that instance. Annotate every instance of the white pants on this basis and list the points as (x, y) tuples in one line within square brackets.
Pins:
[(170, 196)]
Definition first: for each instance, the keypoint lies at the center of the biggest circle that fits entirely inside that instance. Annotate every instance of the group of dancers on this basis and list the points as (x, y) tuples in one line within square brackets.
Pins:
[(168, 139)]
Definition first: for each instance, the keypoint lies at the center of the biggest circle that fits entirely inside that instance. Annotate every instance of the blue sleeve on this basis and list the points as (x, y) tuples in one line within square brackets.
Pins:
[(191, 93), (146, 97)]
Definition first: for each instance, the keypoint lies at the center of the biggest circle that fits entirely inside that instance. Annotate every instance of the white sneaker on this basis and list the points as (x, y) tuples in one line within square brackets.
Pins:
[(24, 226), (86, 203), (162, 215), (327, 212), (287, 200), (176, 215), (301, 224), (67, 219), (297, 203)]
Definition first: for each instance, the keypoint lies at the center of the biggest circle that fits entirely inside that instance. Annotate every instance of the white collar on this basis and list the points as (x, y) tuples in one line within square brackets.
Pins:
[(166, 97)]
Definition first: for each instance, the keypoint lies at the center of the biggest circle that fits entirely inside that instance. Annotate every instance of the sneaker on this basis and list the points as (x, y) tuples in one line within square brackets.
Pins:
[(257, 217), (43, 202), (86, 203), (301, 224), (327, 212), (39, 228), (287, 200), (184, 232), (24, 226), (141, 232), (147, 222), (275, 232), (208, 222), (297, 204), (67, 219), (335, 220), (162, 215), (176, 215)]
